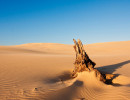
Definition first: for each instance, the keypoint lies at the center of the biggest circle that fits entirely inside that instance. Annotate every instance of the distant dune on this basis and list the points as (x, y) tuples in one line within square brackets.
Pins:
[(41, 71)]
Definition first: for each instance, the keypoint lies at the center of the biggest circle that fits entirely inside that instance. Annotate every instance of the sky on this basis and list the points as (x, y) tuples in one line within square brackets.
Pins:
[(59, 21)]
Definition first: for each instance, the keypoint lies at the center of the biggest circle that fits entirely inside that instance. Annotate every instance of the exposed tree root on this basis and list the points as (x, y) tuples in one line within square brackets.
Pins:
[(84, 63)]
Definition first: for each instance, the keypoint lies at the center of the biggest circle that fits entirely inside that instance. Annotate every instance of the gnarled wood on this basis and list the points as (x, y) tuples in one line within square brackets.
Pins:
[(84, 63)]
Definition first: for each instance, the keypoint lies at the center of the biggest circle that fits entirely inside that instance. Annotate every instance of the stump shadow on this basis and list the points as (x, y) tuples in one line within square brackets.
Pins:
[(109, 69), (66, 75), (112, 68)]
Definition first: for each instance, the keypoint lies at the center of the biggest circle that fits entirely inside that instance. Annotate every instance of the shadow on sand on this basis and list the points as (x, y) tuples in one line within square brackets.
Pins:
[(112, 68), (68, 92), (66, 75), (109, 69)]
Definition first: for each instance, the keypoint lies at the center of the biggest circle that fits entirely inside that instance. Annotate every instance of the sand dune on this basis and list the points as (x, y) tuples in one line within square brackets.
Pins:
[(42, 71)]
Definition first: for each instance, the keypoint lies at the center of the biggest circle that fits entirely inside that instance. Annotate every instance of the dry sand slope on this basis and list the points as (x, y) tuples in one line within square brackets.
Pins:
[(41, 71)]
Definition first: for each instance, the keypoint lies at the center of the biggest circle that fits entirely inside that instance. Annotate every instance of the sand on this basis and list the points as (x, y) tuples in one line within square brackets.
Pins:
[(41, 71)]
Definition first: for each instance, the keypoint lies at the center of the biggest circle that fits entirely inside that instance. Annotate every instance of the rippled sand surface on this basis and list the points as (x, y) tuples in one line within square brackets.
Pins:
[(41, 71)]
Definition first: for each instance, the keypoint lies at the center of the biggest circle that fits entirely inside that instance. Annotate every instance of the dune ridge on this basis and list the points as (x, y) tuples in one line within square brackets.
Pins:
[(43, 72)]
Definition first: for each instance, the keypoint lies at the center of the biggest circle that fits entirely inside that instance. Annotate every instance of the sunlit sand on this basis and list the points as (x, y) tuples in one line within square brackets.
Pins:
[(41, 71)]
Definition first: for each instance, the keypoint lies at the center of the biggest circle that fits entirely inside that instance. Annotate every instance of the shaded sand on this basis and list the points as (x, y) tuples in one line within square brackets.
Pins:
[(42, 71)]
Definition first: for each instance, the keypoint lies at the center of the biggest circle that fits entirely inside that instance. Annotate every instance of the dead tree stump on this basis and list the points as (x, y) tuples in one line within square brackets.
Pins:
[(84, 63)]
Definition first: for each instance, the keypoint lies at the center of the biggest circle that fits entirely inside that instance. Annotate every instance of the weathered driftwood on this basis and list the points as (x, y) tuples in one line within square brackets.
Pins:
[(84, 63)]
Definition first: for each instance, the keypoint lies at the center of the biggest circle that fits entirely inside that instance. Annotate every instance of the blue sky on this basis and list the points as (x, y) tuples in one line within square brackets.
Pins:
[(59, 21)]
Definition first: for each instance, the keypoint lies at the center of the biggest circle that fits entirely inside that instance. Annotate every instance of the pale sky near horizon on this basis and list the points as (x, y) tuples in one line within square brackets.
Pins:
[(59, 21)]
